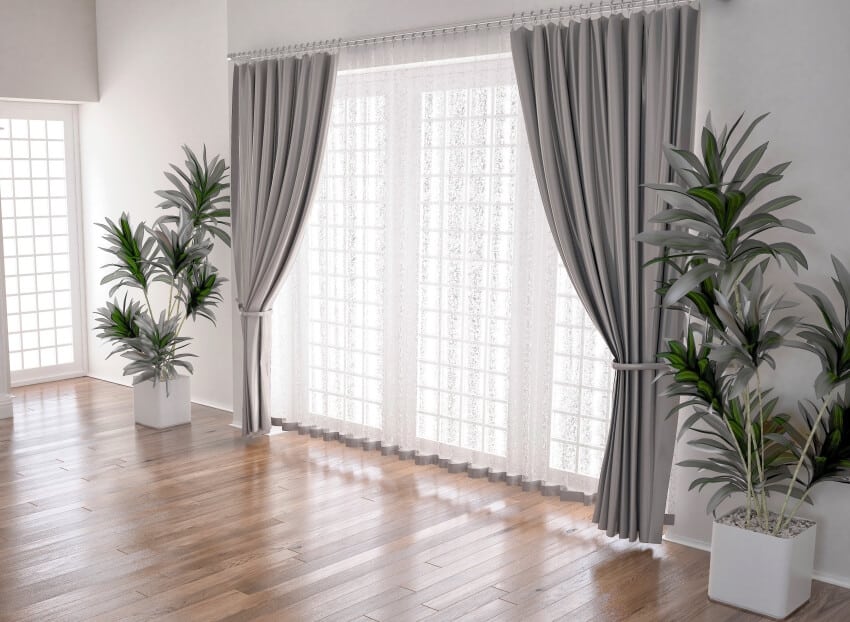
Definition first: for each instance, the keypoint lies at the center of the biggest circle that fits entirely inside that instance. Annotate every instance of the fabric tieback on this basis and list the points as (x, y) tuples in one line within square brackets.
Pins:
[(638, 366), (245, 313)]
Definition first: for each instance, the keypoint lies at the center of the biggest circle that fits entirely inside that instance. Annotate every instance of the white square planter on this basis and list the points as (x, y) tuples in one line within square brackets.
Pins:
[(158, 406), (761, 573)]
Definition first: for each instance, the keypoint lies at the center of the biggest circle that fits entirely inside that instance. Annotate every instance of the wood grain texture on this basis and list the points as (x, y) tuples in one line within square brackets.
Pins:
[(103, 520)]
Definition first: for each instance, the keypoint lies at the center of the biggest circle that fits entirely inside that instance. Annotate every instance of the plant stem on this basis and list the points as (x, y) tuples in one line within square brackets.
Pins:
[(170, 297), (148, 303), (796, 509), (750, 494), (749, 459), (765, 512), (759, 467), (803, 453), (180, 326), (737, 448)]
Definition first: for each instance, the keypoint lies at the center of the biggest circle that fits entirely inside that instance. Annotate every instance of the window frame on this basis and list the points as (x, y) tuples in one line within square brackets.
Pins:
[(68, 114)]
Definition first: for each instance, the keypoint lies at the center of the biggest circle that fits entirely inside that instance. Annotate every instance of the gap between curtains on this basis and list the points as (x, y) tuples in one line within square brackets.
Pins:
[(280, 115), (600, 98)]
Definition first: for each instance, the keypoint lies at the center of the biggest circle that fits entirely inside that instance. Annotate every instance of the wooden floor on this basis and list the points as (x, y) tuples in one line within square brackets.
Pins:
[(101, 520)]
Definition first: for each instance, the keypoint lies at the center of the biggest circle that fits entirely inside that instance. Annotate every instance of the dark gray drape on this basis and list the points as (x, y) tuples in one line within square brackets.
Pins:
[(279, 121), (600, 97)]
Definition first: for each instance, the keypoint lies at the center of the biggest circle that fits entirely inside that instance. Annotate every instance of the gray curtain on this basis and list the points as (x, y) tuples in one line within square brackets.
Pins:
[(600, 97), (280, 116)]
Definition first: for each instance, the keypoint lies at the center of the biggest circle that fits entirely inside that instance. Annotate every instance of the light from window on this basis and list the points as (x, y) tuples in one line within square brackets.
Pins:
[(34, 204), (581, 386), (431, 318), (467, 170), (346, 257)]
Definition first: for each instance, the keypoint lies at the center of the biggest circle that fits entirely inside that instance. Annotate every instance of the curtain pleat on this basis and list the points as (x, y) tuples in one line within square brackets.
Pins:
[(600, 98), (280, 112)]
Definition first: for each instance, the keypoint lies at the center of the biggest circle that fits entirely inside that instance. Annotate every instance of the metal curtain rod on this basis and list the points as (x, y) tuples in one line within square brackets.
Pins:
[(517, 19)]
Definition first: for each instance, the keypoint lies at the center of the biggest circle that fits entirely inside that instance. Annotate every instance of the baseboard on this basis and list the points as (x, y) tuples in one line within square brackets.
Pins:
[(832, 579), (209, 404), (122, 382), (6, 407), (68, 375), (128, 383), (273, 432), (693, 543)]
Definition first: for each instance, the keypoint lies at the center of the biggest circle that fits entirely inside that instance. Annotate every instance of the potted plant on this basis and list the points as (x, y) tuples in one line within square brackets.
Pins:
[(172, 256), (716, 253)]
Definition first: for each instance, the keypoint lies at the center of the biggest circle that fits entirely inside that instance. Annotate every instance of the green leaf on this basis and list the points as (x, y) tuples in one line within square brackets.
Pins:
[(688, 282), (711, 156), (776, 204), (748, 165), (742, 141)]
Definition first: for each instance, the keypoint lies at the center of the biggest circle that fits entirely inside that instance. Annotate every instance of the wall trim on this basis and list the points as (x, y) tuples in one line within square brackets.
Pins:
[(129, 385), (6, 407), (692, 543), (831, 579), (274, 431), (702, 545), (57, 377)]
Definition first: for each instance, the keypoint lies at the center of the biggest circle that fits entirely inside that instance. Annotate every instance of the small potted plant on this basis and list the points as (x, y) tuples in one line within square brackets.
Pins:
[(172, 256), (716, 256)]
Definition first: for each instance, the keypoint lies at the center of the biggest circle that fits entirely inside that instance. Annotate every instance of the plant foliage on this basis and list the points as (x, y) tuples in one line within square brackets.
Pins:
[(174, 252), (713, 243)]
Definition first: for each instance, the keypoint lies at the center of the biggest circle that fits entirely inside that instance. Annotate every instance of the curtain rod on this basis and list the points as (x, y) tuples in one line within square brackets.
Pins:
[(517, 19)]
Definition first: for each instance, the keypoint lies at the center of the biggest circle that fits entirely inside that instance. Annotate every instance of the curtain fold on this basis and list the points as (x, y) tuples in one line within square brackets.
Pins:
[(600, 98), (280, 113)]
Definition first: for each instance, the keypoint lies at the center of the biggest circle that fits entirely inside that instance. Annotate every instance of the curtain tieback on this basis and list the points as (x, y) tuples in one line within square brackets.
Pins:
[(616, 366), (245, 313)]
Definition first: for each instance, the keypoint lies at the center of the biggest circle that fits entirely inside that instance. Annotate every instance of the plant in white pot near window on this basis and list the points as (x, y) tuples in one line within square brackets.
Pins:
[(173, 256), (761, 553)]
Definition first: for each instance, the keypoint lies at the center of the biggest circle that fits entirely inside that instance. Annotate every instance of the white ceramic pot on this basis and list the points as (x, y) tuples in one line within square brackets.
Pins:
[(760, 573), (163, 405)]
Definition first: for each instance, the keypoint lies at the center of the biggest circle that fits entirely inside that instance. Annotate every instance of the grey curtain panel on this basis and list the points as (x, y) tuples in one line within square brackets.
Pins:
[(600, 97), (280, 115)]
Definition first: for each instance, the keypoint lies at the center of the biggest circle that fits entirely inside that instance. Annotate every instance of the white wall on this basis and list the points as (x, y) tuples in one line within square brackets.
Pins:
[(781, 56), (48, 50), (163, 82), (787, 58), (253, 24)]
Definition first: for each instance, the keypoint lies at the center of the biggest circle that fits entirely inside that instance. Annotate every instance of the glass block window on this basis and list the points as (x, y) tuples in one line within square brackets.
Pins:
[(582, 380), (346, 267), (421, 312), (34, 203), (468, 169)]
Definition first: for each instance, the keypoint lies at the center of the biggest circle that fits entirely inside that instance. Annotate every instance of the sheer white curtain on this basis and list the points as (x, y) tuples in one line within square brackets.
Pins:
[(429, 308)]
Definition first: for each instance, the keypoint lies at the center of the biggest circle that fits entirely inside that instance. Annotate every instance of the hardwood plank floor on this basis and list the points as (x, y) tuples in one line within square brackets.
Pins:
[(102, 520)]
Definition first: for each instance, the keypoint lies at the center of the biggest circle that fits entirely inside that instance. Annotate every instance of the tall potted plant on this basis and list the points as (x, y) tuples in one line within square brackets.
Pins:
[(173, 256), (716, 252)]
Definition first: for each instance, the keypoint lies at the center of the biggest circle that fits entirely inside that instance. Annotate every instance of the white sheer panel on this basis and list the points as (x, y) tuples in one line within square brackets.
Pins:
[(423, 308), (346, 267), (581, 384), (468, 176)]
